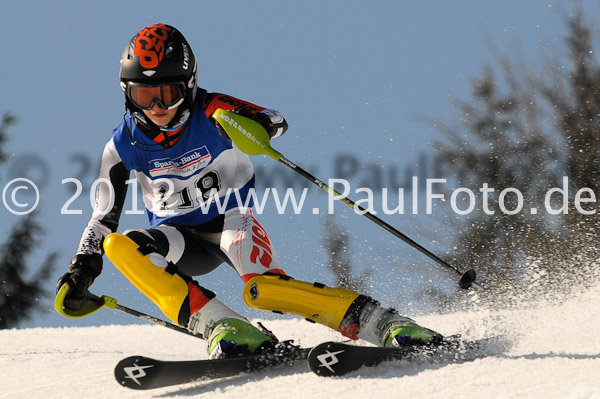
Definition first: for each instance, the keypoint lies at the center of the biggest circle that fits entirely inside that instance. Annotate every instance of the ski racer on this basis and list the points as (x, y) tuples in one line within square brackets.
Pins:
[(184, 161)]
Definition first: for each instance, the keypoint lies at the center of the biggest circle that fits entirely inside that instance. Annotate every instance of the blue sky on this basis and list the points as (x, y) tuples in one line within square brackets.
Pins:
[(351, 78)]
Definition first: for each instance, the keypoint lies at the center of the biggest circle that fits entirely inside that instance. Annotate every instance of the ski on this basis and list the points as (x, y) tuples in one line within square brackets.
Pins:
[(337, 358), (139, 372)]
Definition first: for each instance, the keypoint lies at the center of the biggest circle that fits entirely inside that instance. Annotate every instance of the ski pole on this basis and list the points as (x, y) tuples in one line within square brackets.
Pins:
[(251, 138), (95, 302)]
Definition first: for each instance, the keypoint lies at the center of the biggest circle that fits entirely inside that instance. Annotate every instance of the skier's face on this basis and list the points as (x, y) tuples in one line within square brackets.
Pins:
[(160, 116)]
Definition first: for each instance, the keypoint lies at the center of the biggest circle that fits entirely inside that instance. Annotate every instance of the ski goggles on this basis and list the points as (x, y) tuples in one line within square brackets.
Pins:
[(167, 96)]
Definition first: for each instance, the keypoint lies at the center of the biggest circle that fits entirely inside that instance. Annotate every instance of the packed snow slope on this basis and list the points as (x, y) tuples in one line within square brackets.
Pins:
[(555, 354)]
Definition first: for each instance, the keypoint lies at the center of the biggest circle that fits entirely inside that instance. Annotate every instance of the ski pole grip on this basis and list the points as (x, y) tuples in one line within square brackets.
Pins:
[(92, 305)]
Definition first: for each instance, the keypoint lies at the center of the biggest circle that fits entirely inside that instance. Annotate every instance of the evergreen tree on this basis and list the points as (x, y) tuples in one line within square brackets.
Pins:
[(529, 131), (20, 296)]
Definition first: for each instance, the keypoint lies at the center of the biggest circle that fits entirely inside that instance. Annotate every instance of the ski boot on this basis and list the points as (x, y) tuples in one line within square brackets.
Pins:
[(228, 333), (408, 333), (236, 337), (386, 328)]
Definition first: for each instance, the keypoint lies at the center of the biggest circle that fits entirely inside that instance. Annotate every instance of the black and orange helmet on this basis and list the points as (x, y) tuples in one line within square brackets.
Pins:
[(158, 55)]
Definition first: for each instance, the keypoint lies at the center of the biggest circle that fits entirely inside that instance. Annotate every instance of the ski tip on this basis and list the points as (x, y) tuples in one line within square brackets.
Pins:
[(131, 371), (324, 359)]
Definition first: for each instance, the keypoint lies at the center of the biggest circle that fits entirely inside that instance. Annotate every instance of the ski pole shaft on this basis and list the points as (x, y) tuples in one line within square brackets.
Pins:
[(111, 303), (467, 279)]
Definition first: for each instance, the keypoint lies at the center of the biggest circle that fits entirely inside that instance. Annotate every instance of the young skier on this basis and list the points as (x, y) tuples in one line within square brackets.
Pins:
[(182, 159)]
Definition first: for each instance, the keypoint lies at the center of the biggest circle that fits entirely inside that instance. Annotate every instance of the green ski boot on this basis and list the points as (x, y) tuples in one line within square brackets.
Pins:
[(385, 327), (408, 333), (227, 332), (235, 337)]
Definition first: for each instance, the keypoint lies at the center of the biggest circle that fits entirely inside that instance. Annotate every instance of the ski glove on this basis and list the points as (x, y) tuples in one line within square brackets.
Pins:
[(273, 122), (83, 270)]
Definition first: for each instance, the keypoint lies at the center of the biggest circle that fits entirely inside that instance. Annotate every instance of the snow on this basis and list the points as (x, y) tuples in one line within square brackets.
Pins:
[(555, 354)]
